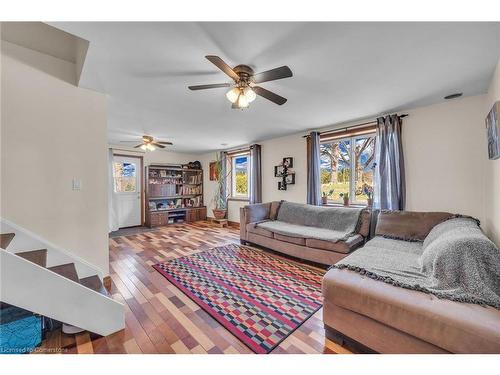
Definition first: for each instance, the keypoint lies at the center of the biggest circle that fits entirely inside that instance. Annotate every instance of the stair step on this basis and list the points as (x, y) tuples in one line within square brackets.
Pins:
[(67, 270), (35, 256), (94, 283), (5, 239)]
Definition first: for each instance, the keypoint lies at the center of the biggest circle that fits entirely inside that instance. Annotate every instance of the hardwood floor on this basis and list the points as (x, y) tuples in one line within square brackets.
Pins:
[(159, 317)]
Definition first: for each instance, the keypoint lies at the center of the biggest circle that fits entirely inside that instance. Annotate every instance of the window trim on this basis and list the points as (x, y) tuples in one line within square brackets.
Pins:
[(232, 185), (351, 137)]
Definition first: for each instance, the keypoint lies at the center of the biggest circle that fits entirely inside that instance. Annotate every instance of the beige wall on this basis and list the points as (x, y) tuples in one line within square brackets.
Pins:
[(273, 152), (444, 148), (51, 133), (492, 170)]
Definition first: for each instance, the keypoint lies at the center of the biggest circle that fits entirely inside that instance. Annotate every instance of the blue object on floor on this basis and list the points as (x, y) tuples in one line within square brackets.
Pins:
[(20, 330)]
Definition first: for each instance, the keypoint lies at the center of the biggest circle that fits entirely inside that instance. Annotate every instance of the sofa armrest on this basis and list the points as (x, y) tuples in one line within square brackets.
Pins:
[(253, 213)]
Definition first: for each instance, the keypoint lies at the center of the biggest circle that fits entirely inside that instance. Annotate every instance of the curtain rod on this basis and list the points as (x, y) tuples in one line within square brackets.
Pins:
[(124, 149), (373, 122), (241, 149)]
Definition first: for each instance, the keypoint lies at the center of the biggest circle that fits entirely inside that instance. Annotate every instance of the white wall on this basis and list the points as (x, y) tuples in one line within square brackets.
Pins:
[(444, 147), (51, 133), (492, 169), (273, 152)]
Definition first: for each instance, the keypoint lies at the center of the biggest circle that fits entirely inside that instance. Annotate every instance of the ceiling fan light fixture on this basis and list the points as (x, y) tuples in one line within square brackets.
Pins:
[(249, 94), (232, 95), (144, 147), (150, 147), (242, 101)]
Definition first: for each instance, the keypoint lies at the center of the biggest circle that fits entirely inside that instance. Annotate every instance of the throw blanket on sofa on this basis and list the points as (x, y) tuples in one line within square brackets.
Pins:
[(322, 223), (456, 261)]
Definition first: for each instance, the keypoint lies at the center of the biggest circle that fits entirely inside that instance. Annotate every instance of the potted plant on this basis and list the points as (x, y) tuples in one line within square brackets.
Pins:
[(345, 197), (220, 196), (325, 195), (368, 190)]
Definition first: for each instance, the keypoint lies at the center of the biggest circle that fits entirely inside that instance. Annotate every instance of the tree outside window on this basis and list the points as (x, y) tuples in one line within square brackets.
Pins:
[(347, 167)]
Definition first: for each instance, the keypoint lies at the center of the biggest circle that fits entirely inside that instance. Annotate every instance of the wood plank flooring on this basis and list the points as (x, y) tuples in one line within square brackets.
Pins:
[(159, 317)]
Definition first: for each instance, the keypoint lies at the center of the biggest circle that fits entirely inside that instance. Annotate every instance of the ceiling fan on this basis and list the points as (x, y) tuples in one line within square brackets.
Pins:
[(149, 144), (244, 89)]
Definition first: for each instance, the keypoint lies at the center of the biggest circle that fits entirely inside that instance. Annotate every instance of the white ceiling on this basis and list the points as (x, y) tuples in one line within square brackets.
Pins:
[(342, 72)]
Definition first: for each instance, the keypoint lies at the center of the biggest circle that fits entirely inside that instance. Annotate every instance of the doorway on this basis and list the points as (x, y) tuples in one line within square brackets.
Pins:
[(128, 187)]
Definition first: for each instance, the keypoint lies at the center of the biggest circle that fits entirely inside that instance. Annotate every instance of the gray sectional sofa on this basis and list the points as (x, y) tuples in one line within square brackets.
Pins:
[(319, 234), (428, 282)]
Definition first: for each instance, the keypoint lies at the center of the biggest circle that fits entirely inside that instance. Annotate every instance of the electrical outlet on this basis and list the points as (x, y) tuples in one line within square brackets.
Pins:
[(77, 184)]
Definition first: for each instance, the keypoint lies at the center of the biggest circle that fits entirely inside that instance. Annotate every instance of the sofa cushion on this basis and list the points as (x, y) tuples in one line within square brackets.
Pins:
[(275, 207), (252, 228), (302, 231), (339, 246), (454, 326), (407, 225), (365, 222), (295, 240), (340, 219)]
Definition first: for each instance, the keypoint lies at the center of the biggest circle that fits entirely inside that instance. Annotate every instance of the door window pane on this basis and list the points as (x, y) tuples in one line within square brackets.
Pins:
[(124, 175)]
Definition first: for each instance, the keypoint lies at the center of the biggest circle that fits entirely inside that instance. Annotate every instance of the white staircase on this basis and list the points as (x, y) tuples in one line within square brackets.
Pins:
[(41, 277)]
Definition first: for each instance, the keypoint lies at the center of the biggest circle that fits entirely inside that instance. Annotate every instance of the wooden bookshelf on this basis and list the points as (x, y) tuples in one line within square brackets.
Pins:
[(173, 195)]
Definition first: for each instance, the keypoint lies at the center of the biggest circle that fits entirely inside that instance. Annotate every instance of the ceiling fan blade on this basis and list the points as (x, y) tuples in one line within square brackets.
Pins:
[(275, 98), (165, 143), (129, 141), (213, 86), (273, 74), (157, 145), (138, 146), (219, 63)]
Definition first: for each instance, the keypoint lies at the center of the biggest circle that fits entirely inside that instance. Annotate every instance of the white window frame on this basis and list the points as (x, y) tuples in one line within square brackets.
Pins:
[(232, 164), (352, 181)]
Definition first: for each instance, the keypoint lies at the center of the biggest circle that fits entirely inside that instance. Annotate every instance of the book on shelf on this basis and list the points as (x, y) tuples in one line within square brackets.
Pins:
[(193, 178)]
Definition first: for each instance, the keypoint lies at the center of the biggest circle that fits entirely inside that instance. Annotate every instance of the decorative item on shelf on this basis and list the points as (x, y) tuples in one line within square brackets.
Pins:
[(493, 132), (325, 195), (345, 197), (192, 165), (220, 196)]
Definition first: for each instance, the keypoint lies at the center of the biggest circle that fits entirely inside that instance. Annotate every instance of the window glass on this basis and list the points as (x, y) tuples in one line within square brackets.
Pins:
[(347, 167), (124, 177), (240, 176), (364, 155), (335, 168)]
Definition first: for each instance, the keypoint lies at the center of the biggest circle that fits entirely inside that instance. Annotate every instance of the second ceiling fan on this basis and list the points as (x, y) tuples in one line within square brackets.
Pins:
[(245, 87)]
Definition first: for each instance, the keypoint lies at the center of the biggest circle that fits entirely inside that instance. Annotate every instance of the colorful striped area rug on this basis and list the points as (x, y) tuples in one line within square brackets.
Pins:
[(259, 298)]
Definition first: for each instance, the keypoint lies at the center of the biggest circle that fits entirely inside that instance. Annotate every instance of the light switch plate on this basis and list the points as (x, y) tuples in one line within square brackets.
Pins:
[(77, 184)]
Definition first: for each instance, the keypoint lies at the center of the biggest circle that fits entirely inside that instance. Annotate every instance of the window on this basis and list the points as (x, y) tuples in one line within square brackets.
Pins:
[(124, 175), (347, 167), (239, 175)]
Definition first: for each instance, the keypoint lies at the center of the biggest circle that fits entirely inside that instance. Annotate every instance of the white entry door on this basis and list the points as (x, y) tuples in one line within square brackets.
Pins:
[(127, 186)]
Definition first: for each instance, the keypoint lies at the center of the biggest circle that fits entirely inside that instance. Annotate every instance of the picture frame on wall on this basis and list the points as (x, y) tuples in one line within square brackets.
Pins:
[(212, 171), (281, 185), (288, 162), (290, 179), (493, 132), (278, 171)]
